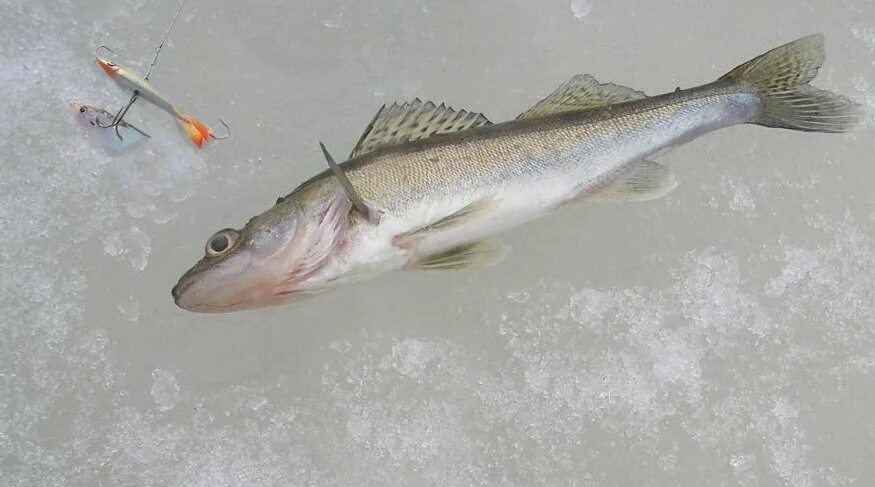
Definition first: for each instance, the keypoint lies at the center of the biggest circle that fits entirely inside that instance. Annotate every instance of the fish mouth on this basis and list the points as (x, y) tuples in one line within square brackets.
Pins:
[(183, 300), (178, 293), (199, 294)]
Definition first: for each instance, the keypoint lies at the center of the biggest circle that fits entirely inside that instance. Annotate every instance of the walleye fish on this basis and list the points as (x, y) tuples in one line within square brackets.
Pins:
[(126, 78), (426, 184), (96, 116)]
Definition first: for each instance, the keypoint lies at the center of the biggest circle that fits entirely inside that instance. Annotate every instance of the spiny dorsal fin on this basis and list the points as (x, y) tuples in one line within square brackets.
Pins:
[(471, 255), (636, 181), (582, 91), (414, 120)]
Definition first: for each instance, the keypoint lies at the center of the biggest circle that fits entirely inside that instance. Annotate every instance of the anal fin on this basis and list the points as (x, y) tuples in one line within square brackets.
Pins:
[(641, 180), (472, 255)]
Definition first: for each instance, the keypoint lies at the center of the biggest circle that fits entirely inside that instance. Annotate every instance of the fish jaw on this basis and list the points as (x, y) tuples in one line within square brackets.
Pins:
[(237, 290), (225, 290)]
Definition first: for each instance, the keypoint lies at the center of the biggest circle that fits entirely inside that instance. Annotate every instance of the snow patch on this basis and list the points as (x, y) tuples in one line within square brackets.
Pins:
[(580, 8)]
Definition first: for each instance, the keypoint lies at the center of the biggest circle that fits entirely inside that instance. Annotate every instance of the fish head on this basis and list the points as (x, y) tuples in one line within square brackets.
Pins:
[(86, 113), (277, 257), (111, 68)]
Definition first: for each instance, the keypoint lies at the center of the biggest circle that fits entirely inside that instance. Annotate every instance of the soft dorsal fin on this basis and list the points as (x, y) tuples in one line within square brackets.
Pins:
[(582, 91), (414, 120)]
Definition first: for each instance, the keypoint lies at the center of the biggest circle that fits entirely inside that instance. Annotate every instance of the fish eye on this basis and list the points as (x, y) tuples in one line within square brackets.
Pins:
[(223, 240), (81, 109)]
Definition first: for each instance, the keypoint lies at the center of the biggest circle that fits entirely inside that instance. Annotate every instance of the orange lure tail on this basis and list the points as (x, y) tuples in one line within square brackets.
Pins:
[(197, 132)]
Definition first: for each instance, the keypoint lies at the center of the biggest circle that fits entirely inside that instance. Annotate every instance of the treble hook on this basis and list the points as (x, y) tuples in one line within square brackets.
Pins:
[(227, 129), (102, 46), (120, 115)]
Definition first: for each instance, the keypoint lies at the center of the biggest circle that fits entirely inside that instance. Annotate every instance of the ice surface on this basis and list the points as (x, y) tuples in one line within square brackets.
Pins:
[(580, 8), (724, 335), (165, 391)]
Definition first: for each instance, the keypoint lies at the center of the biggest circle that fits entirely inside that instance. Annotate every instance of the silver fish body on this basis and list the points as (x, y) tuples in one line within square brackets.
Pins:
[(437, 198), (523, 169)]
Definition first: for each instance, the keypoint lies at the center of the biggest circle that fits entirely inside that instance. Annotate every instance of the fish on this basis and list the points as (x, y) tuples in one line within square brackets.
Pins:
[(128, 80), (427, 186), (96, 116)]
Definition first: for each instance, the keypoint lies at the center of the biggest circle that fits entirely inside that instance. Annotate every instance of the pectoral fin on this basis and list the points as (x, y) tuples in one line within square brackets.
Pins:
[(472, 255), (637, 181), (458, 217)]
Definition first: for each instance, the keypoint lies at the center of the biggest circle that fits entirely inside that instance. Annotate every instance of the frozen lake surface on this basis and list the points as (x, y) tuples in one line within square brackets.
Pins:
[(723, 335)]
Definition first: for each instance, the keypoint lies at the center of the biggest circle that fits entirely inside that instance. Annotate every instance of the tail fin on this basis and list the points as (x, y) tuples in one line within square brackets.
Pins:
[(196, 131), (781, 78)]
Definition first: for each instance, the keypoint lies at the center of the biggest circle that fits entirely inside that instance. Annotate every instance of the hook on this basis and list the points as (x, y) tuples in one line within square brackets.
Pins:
[(120, 115), (102, 46), (227, 129), (111, 123), (134, 127)]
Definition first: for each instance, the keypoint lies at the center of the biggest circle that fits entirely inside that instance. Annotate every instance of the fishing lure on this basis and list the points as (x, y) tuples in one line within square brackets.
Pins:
[(142, 88)]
